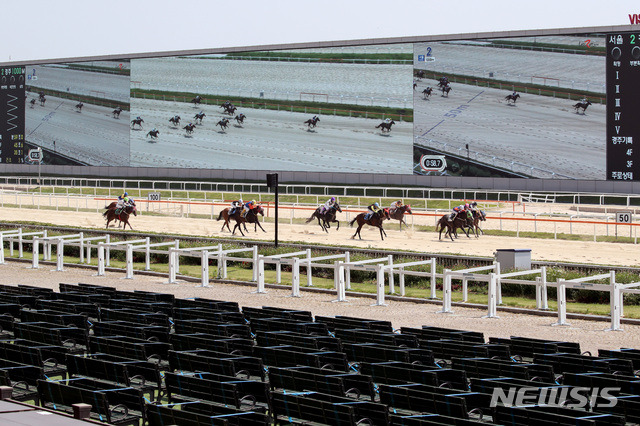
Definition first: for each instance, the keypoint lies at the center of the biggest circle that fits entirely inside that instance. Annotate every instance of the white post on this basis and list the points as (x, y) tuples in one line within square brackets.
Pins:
[(309, 276), (255, 263), (543, 290), (60, 255), (176, 264), (11, 244), (295, 277), (401, 275), (380, 286), (392, 286), (278, 272), (2, 249), (88, 257), (492, 309), (538, 292), (107, 254), (464, 289), (219, 261), (147, 255), (129, 269), (205, 268), (616, 303), (562, 303), (101, 260), (499, 283), (81, 247), (340, 283), (36, 254), (433, 279), (260, 275), (347, 271), (173, 254), (446, 292), (20, 251)]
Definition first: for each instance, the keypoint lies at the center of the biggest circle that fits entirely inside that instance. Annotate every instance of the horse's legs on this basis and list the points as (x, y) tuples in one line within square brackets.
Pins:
[(258, 224), (381, 232), (337, 226), (357, 232)]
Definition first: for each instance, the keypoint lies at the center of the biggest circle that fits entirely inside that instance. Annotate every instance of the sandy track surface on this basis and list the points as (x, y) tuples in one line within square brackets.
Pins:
[(92, 136), (388, 85), (540, 131), (101, 85), (617, 254), (589, 334), (277, 138)]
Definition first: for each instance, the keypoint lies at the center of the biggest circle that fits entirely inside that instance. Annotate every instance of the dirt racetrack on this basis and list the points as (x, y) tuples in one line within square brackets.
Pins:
[(617, 254)]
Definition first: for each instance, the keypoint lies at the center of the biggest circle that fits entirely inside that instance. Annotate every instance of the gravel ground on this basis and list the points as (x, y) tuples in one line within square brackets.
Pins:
[(590, 334)]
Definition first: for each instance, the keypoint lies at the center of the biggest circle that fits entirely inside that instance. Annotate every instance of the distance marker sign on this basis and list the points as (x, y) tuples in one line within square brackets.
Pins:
[(623, 104)]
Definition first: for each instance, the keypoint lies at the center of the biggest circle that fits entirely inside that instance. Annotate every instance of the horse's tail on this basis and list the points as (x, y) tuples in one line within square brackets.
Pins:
[(354, 219), (220, 215), (105, 212), (311, 218), (378, 125)]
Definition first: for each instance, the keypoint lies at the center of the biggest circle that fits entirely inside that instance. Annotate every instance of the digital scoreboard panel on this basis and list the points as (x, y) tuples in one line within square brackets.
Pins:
[(623, 104), (12, 96)]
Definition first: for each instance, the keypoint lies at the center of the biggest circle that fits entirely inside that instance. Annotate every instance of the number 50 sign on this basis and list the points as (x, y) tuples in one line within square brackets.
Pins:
[(624, 217)]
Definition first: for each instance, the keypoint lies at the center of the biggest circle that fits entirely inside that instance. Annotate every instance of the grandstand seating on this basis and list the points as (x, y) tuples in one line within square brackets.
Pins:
[(224, 365)]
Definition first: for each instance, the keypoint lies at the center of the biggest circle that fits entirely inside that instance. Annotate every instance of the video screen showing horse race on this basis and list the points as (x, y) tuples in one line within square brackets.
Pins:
[(331, 109), (531, 107), (78, 113)]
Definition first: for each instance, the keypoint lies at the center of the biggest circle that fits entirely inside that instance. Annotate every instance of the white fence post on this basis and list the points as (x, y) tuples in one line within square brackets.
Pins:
[(147, 255), (543, 290), (219, 261), (465, 292), (173, 253), (392, 286), (101, 259), (492, 309), (616, 303), (433, 279), (20, 251), (176, 264), (1, 249), (81, 247), (88, 256), (309, 276), (129, 266), (36, 254), (260, 275), (107, 254), (339, 278), (255, 263), (401, 278), (205, 268), (562, 302), (498, 284), (380, 286), (446, 292), (278, 272), (295, 277), (60, 255), (347, 271)]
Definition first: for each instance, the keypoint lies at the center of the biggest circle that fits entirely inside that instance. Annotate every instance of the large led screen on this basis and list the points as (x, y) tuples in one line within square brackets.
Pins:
[(526, 107), (326, 110), (78, 114)]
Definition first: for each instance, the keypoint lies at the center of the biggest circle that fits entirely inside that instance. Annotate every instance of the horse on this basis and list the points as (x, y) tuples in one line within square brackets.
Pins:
[(196, 101), (189, 128), (175, 120), (153, 134), (250, 217), (385, 126), (42, 100), (32, 102), (223, 124), (199, 116), (375, 219), (312, 122), (445, 90), (325, 218), (79, 106), (512, 98), (136, 122), (421, 74), (230, 109), (415, 84), (582, 105), (443, 81), (116, 112), (458, 222), (477, 217), (240, 118), (427, 92), (123, 216), (399, 212)]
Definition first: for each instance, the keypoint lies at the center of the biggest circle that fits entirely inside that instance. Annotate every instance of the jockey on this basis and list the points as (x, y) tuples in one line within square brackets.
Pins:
[(234, 205), (248, 206), (395, 205), (458, 209), (514, 94), (372, 209), (327, 206)]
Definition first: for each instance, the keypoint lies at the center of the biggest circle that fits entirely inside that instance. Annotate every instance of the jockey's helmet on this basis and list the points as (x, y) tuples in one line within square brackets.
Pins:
[(333, 198), (126, 193), (253, 202), (376, 204)]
